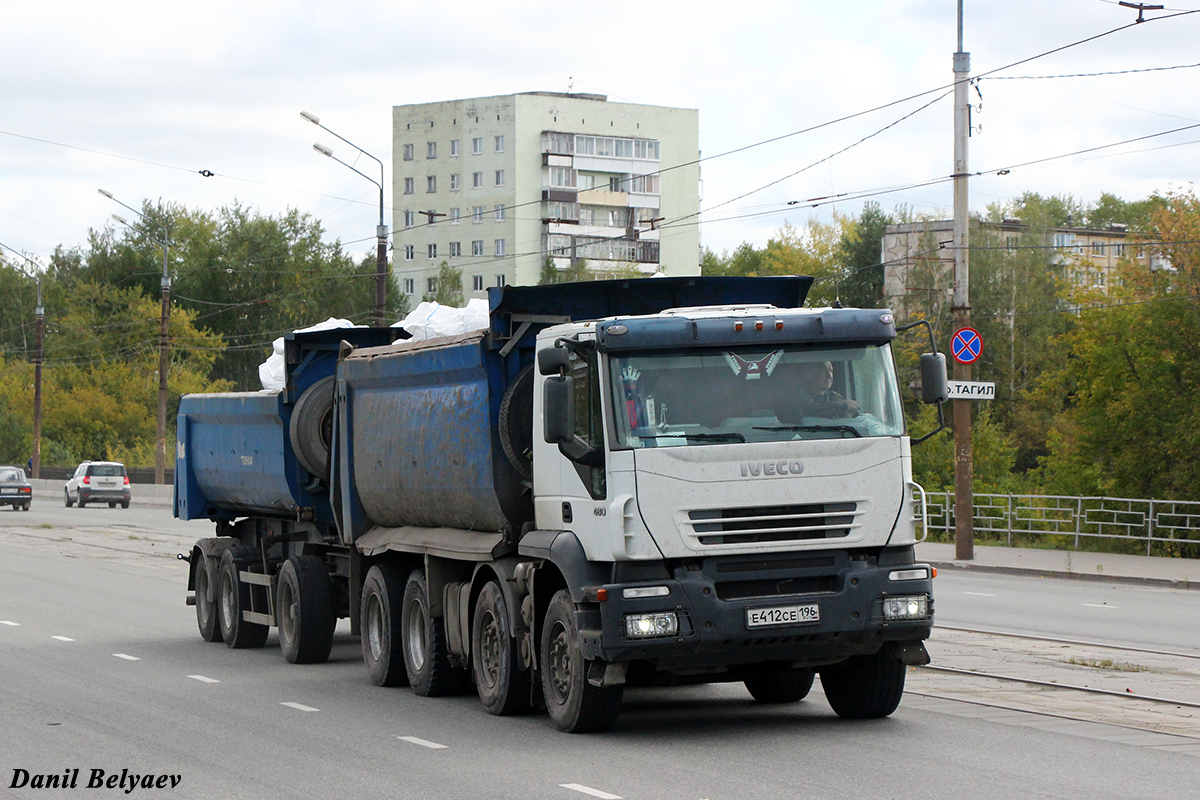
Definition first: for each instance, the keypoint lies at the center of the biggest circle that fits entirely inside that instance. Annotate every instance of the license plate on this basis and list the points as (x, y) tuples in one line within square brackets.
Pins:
[(8, 491), (782, 615)]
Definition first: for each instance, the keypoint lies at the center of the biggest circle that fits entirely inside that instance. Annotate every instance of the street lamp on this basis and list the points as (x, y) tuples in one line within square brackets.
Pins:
[(39, 316), (160, 452), (381, 232)]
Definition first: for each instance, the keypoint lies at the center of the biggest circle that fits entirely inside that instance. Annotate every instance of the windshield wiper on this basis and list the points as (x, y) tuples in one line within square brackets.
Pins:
[(811, 428), (730, 436)]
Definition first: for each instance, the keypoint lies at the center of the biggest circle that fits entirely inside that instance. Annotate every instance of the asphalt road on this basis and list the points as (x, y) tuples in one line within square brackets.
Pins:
[(101, 668)]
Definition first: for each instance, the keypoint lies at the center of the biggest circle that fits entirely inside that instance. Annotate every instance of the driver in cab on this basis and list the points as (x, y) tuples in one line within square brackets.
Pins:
[(817, 397)]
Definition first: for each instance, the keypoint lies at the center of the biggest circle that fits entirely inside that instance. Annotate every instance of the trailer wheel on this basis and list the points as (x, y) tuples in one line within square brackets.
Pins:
[(206, 601), (501, 682), (780, 685), (311, 428), (426, 655), (304, 610), (516, 423), (382, 642), (234, 597), (574, 705), (865, 687)]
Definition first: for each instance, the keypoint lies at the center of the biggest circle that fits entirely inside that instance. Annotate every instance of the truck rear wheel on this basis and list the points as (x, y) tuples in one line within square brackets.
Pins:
[(780, 685), (380, 623), (206, 601), (574, 705), (426, 654), (865, 687), (502, 683), (304, 610), (234, 598)]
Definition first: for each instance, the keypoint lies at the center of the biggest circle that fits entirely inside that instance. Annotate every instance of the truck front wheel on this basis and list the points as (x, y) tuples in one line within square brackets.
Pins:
[(865, 687), (382, 644), (234, 598), (503, 685), (304, 605), (426, 655), (574, 705), (206, 601)]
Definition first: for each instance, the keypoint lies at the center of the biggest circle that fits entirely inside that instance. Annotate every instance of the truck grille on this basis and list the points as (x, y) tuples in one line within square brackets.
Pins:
[(787, 523)]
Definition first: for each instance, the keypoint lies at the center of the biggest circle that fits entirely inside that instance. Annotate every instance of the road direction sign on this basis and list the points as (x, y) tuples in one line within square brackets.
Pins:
[(966, 345), (971, 390)]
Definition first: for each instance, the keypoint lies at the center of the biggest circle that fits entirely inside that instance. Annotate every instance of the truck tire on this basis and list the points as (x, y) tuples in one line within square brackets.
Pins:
[(304, 610), (311, 428), (516, 423), (502, 683), (574, 705), (233, 598), (380, 623), (426, 654), (865, 687), (780, 685), (206, 599)]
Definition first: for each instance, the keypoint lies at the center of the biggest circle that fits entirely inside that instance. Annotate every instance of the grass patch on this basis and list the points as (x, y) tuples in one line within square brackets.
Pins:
[(1106, 663)]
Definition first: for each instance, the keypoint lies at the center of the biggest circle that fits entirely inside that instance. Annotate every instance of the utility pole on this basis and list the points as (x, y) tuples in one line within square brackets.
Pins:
[(964, 512), (39, 315)]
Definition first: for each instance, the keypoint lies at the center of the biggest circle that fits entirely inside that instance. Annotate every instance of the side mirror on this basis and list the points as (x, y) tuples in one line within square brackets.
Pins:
[(558, 406), (934, 388), (553, 361)]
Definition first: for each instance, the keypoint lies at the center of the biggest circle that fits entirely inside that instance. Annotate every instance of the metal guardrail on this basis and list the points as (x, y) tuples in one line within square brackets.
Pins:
[(1028, 517)]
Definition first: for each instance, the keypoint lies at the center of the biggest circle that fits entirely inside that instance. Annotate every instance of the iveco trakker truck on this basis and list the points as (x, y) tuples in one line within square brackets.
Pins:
[(615, 484)]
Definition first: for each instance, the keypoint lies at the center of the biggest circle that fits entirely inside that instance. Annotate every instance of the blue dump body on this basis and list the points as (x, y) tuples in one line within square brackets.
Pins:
[(233, 453)]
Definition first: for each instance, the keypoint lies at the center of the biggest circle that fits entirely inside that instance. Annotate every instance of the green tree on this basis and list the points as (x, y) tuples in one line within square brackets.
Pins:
[(861, 285), (449, 287)]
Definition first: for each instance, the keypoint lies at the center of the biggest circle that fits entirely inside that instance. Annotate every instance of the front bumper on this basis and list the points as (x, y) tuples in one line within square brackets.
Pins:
[(710, 602)]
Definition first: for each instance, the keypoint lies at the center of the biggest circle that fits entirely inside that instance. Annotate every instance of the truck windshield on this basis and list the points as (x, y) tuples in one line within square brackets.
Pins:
[(672, 398)]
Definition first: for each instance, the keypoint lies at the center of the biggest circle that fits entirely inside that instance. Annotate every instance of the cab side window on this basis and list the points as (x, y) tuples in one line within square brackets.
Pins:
[(589, 421)]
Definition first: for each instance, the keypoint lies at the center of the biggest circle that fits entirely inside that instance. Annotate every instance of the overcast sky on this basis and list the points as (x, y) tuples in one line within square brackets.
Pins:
[(139, 97)]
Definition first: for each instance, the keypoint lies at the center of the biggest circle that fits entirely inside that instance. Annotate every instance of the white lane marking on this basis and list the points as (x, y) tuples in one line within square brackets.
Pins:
[(576, 787), (203, 679), (10, 622), (126, 657), (1098, 605), (299, 707), (62, 638), (979, 594), (422, 742)]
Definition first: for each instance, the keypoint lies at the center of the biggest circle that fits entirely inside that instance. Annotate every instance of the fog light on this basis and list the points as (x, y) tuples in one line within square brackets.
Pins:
[(916, 607), (918, 574), (649, 626), (633, 592)]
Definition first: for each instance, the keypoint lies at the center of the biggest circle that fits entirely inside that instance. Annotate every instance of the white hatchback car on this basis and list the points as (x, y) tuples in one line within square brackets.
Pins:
[(98, 481)]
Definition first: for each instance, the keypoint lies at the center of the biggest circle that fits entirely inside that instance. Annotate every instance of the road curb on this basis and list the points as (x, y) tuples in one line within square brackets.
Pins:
[(1034, 572)]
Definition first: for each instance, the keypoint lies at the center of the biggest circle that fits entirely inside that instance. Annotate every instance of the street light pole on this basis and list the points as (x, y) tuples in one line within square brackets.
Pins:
[(160, 450), (381, 231)]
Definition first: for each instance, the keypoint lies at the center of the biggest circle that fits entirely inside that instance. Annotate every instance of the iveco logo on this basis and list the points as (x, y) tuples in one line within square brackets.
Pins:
[(754, 469)]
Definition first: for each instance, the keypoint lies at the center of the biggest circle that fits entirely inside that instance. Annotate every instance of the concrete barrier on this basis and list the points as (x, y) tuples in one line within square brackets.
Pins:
[(139, 493)]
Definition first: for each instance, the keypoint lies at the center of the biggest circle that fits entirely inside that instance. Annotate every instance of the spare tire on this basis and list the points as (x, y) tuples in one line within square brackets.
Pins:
[(311, 428), (516, 423)]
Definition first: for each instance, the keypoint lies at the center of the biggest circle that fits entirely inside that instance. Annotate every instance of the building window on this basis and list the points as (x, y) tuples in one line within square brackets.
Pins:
[(432, 250), (499, 144), (454, 148), (408, 185), (500, 279), (499, 177), (477, 283), (1098, 248), (431, 184), (409, 285), (454, 187), (455, 249), (1010, 242), (499, 247), (499, 213), (477, 214), (408, 152), (410, 218), (562, 176), (1119, 250), (431, 285), (644, 184), (476, 180), (454, 216), (431, 149), (477, 247), (477, 146), (410, 252)]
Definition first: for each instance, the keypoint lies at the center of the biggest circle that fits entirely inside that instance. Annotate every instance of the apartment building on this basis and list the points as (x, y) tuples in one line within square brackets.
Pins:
[(494, 186)]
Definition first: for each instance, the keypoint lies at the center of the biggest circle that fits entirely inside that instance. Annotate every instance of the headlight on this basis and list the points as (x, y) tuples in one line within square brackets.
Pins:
[(651, 626), (915, 607)]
